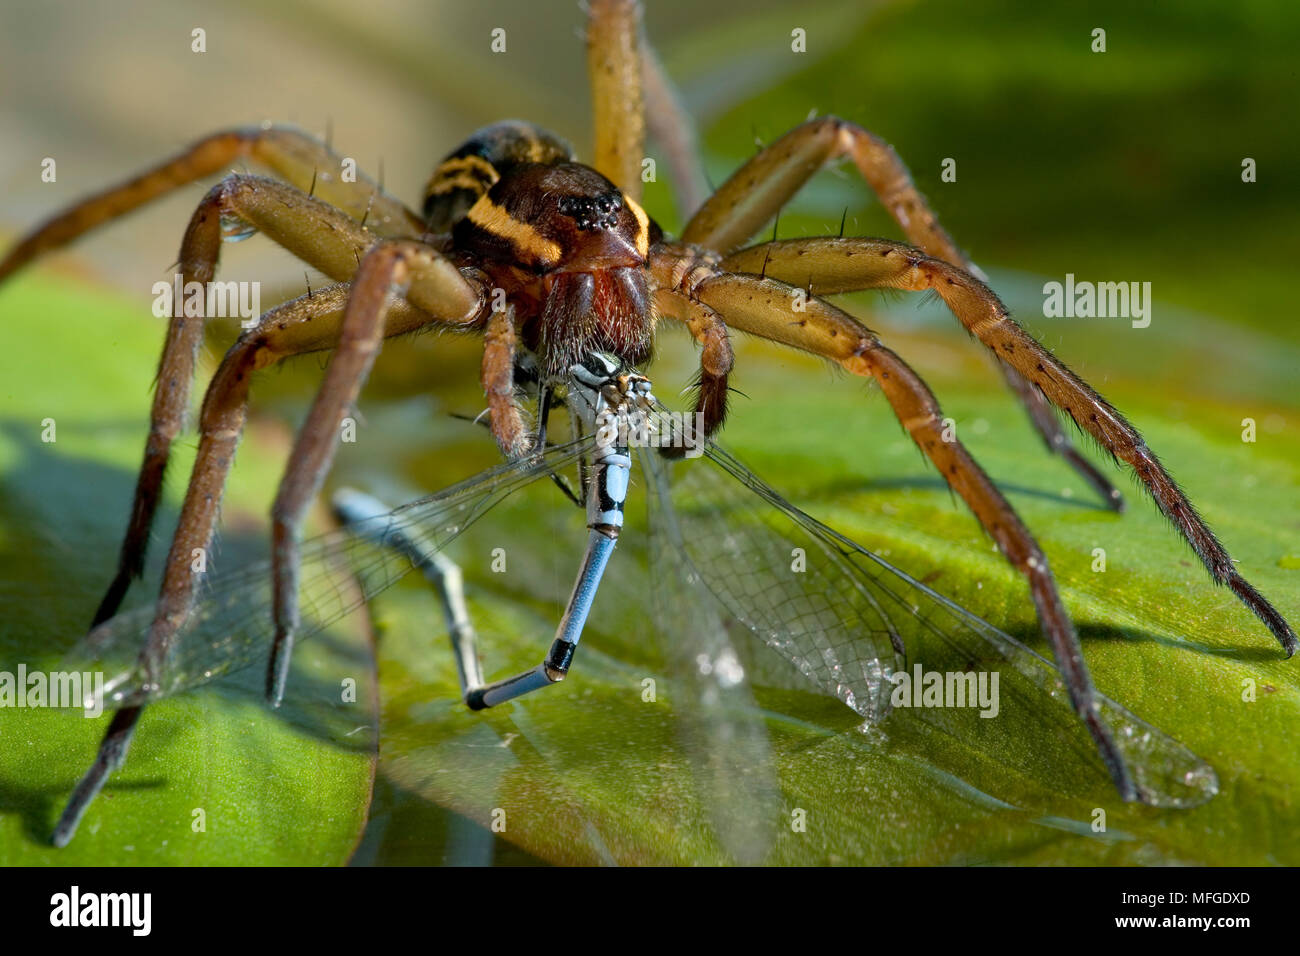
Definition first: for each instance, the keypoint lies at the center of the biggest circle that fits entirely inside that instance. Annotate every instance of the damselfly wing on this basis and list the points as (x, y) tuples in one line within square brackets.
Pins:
[(732, 556), (231, 627), (850, 622)]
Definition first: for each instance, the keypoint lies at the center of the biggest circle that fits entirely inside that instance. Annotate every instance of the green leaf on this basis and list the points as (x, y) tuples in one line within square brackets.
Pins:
[(589, 772), (1097, 165), (272, 787)]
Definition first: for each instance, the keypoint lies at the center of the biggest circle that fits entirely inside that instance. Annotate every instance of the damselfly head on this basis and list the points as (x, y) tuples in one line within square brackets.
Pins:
[(602, 380)]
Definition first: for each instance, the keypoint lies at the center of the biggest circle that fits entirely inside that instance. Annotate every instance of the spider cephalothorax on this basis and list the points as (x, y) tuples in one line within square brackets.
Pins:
[(567, 248), (546, 256)]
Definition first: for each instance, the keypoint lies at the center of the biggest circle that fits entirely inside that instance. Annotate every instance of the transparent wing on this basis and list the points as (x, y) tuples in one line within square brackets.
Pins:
[(231, 625), (723, 731), (842, 616)]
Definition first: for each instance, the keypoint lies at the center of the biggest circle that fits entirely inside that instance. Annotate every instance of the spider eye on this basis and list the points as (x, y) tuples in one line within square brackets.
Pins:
[(592, 212)]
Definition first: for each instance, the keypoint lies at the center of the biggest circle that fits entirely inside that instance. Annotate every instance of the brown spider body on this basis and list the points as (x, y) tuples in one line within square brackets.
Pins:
[(579, 267), (568, 249)]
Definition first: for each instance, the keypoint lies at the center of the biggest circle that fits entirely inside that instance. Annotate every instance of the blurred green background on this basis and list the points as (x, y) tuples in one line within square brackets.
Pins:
[(1116, 166)]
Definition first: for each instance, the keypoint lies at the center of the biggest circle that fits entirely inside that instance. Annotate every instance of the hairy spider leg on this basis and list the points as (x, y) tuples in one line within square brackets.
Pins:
[(758, 189), (291, 328), (614, 67), (313, 231), (763, 307), (505, 417), (298, 158), (309, 323), (420, 273), (709, 331), (878, 263), (673, 130)]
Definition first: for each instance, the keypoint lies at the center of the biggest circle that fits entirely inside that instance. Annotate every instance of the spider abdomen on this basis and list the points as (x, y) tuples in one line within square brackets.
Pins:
[(480, 161)]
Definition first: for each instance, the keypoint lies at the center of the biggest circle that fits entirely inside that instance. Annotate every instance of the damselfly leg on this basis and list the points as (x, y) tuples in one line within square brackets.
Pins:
[(364, 515)]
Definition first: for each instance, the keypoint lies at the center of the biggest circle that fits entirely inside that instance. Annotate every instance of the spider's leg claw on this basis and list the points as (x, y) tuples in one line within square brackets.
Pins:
[(277, 671), (1266, 612)]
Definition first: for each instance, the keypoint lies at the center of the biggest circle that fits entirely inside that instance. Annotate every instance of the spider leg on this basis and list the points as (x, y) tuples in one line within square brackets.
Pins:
[(827, 266), (758, 190), (112, 753), (716, 358), (411, 266), (306, 324), (313, 231), (298, 158), (505, 418), (761, 307), (879, 263), (673, 130), (614, 67)]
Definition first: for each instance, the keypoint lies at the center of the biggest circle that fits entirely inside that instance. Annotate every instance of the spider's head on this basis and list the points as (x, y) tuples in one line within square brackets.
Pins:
[(557, 218), (572, 250)]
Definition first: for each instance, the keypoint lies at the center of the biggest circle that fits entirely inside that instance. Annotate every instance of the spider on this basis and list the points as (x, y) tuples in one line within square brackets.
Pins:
[(550, 260)]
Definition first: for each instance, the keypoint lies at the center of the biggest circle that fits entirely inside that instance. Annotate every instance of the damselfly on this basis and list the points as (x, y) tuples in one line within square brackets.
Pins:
[(727, 548)]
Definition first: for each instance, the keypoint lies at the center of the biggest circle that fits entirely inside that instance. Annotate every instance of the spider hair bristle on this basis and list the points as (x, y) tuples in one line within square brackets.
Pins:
[(892, 296), (311, 193), (370, 203), (843, 219), (735, 391), (692, 384), (926, 298)]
